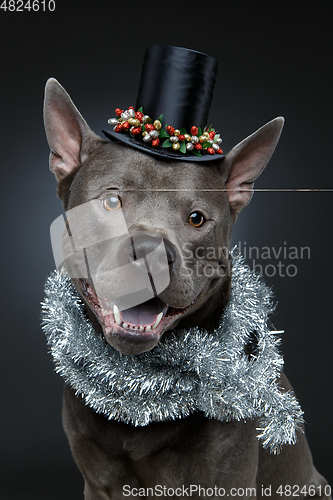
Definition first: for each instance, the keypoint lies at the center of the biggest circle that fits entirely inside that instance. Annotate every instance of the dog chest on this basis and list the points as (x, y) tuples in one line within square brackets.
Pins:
[(192, 450)]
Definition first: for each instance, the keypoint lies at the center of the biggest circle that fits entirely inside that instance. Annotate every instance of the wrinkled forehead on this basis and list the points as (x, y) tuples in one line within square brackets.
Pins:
[(127, 170)]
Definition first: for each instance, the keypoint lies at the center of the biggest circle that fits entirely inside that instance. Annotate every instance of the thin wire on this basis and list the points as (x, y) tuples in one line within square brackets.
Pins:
[(263, 190)]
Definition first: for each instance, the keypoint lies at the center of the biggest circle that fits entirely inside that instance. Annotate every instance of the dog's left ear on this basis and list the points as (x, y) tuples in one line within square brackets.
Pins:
[(69, 136), (245, 162)]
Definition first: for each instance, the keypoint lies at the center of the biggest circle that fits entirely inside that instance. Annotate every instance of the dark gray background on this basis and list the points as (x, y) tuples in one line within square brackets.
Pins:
[(274, 59)]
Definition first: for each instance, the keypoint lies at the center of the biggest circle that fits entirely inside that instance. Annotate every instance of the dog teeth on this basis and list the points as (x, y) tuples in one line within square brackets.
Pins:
[(158, 321), (128, 326), (134, 327), (116, 315)]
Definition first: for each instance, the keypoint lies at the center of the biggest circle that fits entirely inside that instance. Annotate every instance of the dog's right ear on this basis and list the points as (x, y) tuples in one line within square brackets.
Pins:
[(246, 161), (68, 135)]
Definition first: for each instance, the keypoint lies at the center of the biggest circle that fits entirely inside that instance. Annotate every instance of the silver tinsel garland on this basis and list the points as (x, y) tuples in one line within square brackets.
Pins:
[(186, 371)]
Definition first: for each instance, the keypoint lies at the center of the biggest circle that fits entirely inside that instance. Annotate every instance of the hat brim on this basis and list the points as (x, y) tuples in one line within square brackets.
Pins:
[(161, 152)]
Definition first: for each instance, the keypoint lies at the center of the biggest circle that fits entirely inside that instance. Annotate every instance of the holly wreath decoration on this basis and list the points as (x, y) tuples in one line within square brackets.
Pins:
[(136, 123)]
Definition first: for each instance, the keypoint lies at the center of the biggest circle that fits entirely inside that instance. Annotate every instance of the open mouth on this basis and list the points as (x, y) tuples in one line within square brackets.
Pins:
[(144, 322), (143, 317)]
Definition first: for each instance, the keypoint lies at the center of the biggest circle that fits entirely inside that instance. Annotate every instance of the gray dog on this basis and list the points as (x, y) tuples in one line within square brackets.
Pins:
[(118, 459)]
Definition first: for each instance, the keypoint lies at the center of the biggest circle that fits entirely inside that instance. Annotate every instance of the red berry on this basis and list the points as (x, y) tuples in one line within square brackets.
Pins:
[(125, 126), (131, 107), (149, 127), (194, 131), (118, 111), (136, 130), (170, 129), (181, 138), (139, 115), (198, 146), (118, 128), (219, 151), (155, 142), (212, 135), (211, 151)]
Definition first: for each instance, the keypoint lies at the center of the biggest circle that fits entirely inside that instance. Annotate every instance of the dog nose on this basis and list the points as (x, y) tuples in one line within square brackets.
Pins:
[(142, 245)]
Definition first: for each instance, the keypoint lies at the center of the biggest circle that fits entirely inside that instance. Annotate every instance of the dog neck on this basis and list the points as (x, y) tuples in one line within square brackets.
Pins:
[(209, 315)]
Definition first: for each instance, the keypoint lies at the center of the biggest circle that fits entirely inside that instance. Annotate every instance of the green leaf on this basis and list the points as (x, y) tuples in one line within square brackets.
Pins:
[(199, 131), (196, 152), (160, 118), (206, 145), (182, 131), (163, 133), (182, 148), (140, 109), (167, 144)]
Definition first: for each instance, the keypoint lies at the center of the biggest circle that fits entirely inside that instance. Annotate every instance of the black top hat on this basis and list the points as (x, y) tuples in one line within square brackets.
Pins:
[(170, 119)]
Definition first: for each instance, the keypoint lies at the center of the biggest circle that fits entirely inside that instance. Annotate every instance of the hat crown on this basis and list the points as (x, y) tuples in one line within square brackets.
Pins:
[(179, 83)]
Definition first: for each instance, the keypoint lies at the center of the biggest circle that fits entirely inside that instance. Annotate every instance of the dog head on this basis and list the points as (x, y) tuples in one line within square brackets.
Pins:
[(151, 234)]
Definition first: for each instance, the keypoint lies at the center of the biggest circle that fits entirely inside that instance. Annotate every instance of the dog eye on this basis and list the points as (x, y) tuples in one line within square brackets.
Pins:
[(196, 219), (111, 203)]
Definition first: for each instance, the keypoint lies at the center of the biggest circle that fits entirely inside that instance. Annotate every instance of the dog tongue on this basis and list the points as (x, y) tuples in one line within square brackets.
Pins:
[(143, 314)]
